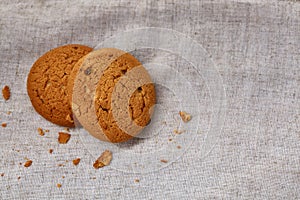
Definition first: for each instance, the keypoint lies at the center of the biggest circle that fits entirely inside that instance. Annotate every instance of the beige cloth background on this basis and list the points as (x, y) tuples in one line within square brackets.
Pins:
[(256, 46)]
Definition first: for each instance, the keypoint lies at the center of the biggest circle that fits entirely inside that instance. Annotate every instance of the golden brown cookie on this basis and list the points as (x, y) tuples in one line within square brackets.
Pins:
[(113, 94), (47, 82)]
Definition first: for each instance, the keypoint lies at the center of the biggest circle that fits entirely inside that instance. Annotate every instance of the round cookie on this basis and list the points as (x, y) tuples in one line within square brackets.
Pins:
[(113, 95), (47, 82), (111, 115)]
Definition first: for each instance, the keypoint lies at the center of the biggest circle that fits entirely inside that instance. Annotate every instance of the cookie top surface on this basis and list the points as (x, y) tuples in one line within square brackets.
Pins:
[(47, 82), (113, 95)]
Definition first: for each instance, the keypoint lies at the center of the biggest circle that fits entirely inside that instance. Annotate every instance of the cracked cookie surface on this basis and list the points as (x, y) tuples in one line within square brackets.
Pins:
[(113, 95), (141, 99), (47, 82)]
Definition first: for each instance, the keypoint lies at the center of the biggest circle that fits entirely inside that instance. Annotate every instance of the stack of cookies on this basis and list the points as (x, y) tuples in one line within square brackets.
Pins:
[(107, 91)]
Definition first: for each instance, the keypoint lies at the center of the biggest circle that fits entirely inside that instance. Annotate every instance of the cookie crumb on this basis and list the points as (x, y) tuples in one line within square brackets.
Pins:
[(164, 161), (63, 177), (8, 112), (137, 180), (103, 160), (41, 132), (178, 147), (47, 130), (93, 178), (19, 177), (60, 165), (50, 151), (2, 174), (176, 131), (4, 125), (58, 185), (76, 161), (6, 92), (67, 129), (63, 138), (28, 163), (170, 139), (69, 118), (185, 116)]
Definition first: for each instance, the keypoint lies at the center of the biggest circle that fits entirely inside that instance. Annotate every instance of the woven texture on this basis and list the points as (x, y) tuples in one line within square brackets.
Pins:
[(256, 48)]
